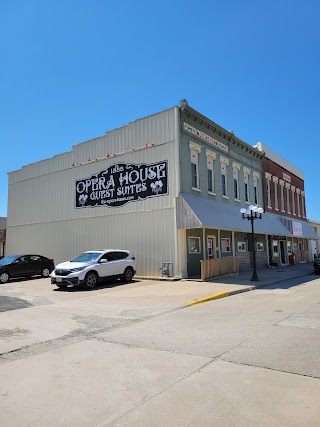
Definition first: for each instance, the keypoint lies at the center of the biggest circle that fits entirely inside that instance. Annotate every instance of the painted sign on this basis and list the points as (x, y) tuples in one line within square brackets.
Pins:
[(205, 137), (286, 177), (296, 228), (121, 183)]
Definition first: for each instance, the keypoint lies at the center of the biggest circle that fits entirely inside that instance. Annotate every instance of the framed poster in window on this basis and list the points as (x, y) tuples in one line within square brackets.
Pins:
[(225, 245), (194, 245)]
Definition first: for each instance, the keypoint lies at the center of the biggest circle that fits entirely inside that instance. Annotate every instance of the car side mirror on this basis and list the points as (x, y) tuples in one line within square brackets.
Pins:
[(103, 261)]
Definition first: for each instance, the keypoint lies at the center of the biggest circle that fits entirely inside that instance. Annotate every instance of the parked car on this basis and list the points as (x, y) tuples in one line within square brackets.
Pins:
[(91, 267), (316, 265), (24, 266)]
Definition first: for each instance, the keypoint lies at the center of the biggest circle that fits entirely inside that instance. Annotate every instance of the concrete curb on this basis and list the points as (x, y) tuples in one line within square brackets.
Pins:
[(240, 291)]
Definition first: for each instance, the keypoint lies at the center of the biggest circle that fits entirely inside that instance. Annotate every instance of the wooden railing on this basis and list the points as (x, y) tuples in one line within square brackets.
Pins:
[(218, 266)]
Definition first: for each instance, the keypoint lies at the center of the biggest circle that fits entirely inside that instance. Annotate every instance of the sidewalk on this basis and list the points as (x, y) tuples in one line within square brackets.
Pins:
[(241, 282)]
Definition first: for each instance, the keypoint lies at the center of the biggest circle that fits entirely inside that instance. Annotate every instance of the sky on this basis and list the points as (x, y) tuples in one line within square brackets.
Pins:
[(72, 70)]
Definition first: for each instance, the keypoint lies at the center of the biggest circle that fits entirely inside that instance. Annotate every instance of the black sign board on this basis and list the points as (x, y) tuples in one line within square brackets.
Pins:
[(121, 183)]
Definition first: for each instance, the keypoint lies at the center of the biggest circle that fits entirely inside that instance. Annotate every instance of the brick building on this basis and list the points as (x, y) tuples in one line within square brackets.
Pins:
[(283, 195)]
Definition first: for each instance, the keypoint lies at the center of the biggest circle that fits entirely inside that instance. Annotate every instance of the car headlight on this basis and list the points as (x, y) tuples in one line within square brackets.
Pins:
[(73, 270)]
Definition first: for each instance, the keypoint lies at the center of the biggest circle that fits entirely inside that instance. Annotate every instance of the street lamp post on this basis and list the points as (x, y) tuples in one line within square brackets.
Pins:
[(254, 212)]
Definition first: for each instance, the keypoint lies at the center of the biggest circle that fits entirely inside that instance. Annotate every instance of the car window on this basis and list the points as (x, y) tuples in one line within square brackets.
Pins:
[(87, 257), (8, 260), (112, 256), (107, 257), (21, 260), (122, 255), (35, 258)]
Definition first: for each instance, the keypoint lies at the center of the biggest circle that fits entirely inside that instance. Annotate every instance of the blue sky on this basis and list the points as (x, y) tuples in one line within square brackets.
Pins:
[(73, 69)]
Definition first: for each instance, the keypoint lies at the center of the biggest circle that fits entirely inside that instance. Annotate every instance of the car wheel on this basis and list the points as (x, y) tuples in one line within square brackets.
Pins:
[(4, 277), (91, 280), (45, 272), (128, 274)]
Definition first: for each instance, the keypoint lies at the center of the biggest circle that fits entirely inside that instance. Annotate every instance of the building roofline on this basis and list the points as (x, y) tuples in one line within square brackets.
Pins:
[(208, 124)]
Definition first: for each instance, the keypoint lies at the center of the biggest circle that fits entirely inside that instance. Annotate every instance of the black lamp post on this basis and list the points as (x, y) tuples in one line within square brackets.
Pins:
[(254, 212)]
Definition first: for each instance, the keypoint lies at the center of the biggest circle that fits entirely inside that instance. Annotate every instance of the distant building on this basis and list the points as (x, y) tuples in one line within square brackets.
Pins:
[(168, 187), (283, 194), (314, 244), (3, 229)]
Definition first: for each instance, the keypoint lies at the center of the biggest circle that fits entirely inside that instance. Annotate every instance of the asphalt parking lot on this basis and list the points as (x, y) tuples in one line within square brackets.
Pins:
[(136, 354)]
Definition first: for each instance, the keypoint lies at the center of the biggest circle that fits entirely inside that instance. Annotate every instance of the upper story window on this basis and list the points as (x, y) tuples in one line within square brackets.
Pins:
[(303, 206), (288, 197), (298, 191), (246, 174), (211, 156), (281, 182), (224, 180), (256, 177), (268, 188), (293, 189), (236, 167), (195, 150), (276, 203)]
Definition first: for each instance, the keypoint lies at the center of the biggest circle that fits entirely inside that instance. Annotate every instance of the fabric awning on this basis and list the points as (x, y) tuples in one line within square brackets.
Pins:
[(198, 212)]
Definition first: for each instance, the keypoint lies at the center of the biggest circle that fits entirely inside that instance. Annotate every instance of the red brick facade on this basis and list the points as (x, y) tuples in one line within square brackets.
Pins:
[(276, 177)]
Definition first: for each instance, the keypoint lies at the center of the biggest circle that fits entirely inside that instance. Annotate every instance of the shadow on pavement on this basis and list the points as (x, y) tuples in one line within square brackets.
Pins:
[(102, 285)]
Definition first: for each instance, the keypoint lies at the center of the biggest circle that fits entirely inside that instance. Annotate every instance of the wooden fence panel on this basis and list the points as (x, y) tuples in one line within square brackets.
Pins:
[(218, 266)]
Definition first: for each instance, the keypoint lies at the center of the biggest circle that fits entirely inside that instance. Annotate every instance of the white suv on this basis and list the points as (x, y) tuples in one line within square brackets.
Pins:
[(92, 266)]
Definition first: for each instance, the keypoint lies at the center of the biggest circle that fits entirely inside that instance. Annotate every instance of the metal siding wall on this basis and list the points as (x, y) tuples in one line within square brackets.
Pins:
[(148, 235), (41, 213), (52, 197)]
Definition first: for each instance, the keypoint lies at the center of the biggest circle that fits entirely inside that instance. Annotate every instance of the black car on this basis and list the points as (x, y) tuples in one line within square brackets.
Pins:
[(316, 265), (24, 265)]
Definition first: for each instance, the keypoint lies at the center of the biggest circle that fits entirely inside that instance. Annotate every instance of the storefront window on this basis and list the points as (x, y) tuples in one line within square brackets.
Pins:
[(242, 247), (289, 248), (225, 245), (194, 245), (260, 246), (275, 248)]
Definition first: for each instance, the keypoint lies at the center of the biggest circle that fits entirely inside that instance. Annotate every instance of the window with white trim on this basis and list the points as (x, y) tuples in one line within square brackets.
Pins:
[(303, 205), (236, 168), (242, 246), (268, 187), (293, 189), (288, 197), (260, 246), (246, 173), (225, 245), (195, 150), (276, 203), (210, 170), (298, 191), (256, 176), (224, 181), (281, 182)]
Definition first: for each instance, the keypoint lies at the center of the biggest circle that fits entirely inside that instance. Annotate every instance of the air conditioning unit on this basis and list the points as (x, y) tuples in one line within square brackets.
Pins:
[(167, 269)]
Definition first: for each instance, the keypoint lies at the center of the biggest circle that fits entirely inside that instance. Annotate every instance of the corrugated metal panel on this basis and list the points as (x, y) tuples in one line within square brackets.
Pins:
[(52, 197), (156, 129), (41, 206), (149, 235)]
